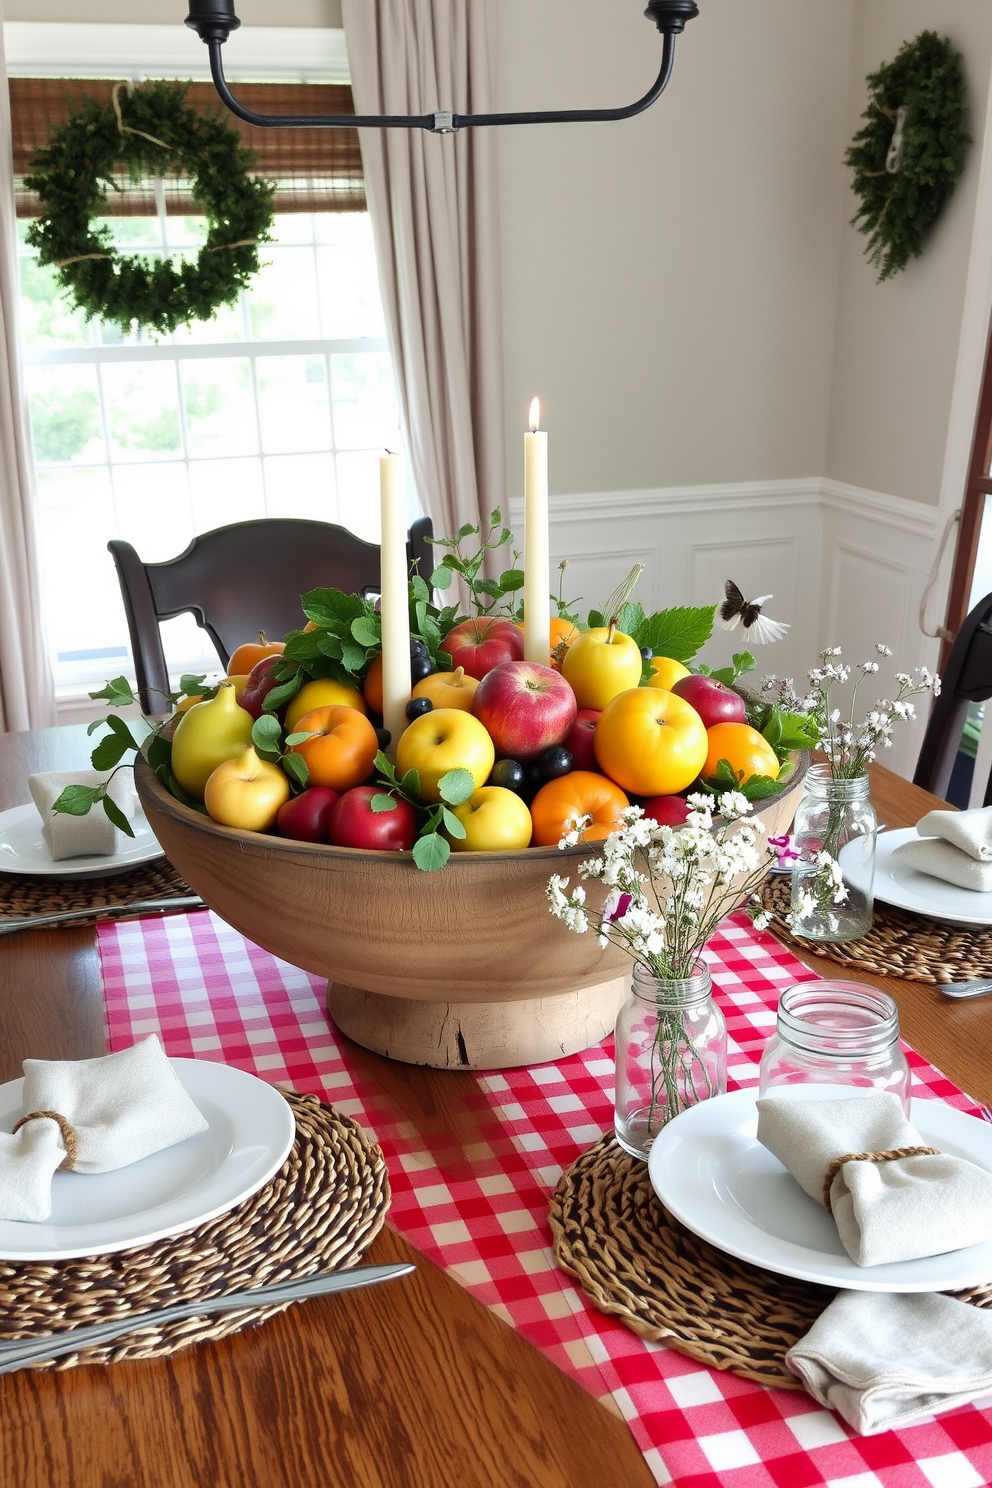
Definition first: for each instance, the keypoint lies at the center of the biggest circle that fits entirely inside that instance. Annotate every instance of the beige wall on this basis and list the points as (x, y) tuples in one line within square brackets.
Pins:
[(897, 342), (670, 281), (161, 12)]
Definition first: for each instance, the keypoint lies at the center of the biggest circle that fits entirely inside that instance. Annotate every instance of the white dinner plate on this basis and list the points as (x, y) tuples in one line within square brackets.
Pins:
[(251, 1129), (709, 1170), (23, 848), (898, 883)]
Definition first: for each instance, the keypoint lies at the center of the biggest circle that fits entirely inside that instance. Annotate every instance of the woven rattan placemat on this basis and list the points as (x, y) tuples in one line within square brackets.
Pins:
[(898, 944), (636, 1262), (24, 894), (320, 1212)]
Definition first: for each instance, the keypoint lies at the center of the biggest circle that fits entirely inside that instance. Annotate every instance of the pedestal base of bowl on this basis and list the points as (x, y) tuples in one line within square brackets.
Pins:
[(477, 1035)]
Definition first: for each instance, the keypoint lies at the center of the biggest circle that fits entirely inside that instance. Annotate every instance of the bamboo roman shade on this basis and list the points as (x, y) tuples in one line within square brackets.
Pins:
[(315, 170)]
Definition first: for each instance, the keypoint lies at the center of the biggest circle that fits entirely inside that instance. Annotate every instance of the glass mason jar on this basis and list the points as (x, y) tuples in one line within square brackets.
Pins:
[(832, 815), (671, 1051), (839, 1034)]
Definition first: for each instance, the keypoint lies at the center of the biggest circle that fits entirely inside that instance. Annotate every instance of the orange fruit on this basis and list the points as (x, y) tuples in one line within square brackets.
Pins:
[(343, 748), (373, 685), (581, 793), (448, 689), (252, 652), (667, 672), (650, 741), (322, 692), (743, 748)]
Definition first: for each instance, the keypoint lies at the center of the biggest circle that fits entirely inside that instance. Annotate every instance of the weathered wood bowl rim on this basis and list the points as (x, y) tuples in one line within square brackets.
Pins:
[(149, 785)]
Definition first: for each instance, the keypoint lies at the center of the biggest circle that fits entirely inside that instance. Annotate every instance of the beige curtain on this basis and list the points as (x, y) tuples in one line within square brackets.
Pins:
[(27, 697), (434, 206)]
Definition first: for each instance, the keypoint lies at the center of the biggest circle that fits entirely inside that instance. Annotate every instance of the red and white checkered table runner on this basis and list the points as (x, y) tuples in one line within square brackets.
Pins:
[(476, 1202)]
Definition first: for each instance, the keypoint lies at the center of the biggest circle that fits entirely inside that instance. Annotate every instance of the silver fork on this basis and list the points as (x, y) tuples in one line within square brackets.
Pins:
[(15, 1353)]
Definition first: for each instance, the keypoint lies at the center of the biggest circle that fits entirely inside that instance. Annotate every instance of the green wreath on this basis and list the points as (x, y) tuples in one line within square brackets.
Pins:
[(910, 154), (162, 135)]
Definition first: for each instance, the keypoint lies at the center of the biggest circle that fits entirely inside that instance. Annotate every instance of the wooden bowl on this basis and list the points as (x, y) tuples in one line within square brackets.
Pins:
[(465, 968)]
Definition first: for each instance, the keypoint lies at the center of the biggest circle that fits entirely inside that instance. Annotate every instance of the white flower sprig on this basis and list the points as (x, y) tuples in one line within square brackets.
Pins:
[(849, 746), (695, 874)]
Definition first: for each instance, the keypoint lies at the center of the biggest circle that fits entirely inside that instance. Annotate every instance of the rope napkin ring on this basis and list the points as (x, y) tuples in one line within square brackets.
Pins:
[(878, 1157), (68, 1135)]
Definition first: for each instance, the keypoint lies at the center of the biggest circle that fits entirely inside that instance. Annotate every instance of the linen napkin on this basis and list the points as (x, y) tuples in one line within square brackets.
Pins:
[(955, 846), (94, 833), (883, 1359), (898, 1210), (114, 1111)]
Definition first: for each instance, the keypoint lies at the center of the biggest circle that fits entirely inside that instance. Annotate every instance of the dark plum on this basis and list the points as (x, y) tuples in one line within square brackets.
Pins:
[(417, 707)]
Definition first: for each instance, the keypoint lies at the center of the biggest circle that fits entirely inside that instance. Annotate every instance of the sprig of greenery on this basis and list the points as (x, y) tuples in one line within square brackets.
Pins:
[(743, 662), (431, 850), (489, 596), (269, 744)]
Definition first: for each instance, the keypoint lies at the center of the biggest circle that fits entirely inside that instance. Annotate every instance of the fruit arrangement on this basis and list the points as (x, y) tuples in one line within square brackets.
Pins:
[(498, 753)]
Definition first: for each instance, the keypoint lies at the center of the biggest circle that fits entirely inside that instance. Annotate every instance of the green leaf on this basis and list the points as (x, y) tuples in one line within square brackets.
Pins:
[(454, 563), (265, 735), (410, 784), (743, 662), (117, 816), (466, 530), (441, 578), (511, 580), (596, 620), (419, 589), (431, 853), (280, 695), (109, 752), (456, 786), (365, 633), (382, 802), (304, 646), (295, 766), (76, 800), (679, 632), (385, 767), (352, 657), (298, 738), (325, 606), (117, 694), (772, 730), (726, 675), (760, 787), (630, 621), (159, 752), (490, 587), (452, 825), (190, 685)]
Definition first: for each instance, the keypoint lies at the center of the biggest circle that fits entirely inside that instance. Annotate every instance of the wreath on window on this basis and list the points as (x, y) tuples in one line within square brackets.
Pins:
[(910, 154), (161, 135)]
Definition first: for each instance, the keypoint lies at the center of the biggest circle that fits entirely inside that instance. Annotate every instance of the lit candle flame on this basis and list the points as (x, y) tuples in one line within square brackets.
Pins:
[(535, 415)]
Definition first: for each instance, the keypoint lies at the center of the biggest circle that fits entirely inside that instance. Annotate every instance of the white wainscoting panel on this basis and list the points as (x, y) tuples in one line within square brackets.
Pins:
[(846, 566)]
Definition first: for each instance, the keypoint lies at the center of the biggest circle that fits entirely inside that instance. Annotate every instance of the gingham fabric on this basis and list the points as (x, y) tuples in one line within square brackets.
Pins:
[(475, 1199)]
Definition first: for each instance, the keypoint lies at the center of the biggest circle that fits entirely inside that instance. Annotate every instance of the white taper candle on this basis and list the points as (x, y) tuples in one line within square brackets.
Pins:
[(395, 603), (537, 551)]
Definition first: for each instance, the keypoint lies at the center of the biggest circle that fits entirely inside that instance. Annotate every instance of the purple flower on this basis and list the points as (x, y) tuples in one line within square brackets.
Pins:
[(616, 907)]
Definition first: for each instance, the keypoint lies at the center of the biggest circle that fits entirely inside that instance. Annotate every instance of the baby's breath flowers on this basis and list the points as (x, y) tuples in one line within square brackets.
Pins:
[(669, 887)]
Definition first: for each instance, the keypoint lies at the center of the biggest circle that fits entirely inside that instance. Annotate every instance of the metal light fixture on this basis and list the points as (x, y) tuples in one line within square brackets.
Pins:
[(214, 20)]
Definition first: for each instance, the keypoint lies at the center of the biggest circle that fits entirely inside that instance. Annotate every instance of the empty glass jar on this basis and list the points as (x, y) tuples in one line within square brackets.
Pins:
[(839, 1034)]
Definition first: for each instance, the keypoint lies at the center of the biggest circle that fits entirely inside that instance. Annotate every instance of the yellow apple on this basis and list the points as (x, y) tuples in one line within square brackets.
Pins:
[(665, 672), (495, 820), (446, 739), (246, 792), (323, 692), (599, 664)]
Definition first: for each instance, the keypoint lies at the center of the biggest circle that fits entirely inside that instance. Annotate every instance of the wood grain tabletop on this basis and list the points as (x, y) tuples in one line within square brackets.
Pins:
[(412, 1385)]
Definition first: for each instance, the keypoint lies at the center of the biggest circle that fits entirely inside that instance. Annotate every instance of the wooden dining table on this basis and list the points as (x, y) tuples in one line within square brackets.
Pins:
[(412, 1384)]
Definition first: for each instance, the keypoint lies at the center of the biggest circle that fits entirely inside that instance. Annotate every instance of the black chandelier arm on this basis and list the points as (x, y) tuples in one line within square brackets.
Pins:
[(441, 122)]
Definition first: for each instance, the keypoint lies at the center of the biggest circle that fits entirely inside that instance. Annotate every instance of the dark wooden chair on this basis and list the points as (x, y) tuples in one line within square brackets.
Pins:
[(244, 578), (967, 678)]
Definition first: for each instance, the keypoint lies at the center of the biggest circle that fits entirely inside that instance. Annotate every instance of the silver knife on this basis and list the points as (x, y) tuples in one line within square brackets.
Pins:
[(100, 911), (976, 988), (16, 1353)]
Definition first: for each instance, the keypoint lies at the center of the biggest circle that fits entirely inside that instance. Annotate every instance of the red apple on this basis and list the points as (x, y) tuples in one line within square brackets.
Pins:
[(355, 824), (481, 644), (525, 708), (579, 741), (712, 700), (260, 683), (668, 811), (306, 818)]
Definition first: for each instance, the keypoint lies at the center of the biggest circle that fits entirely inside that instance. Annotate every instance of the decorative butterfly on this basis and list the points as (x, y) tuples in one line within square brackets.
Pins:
[(736, 610)]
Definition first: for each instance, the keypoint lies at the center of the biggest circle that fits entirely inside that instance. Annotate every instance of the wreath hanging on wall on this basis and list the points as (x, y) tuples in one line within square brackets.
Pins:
[(160, 135), (910, 154)]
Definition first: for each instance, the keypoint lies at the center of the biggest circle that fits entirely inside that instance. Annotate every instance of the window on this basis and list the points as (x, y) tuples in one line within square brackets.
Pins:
[(279, 406)]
